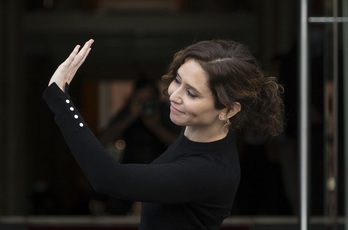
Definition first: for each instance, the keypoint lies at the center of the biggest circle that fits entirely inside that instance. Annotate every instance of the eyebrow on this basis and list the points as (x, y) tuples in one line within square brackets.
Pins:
[(190, 86)]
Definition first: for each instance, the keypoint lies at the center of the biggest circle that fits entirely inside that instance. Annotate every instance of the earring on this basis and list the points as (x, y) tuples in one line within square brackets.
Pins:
[(227, 122), (222, 118)]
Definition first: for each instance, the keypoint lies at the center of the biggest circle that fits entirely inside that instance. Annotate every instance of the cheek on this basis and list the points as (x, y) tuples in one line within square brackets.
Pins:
[(203, 110), (194, 109)]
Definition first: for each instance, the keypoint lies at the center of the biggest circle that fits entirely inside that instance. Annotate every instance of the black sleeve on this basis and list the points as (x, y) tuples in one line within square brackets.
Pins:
[(181, 181)]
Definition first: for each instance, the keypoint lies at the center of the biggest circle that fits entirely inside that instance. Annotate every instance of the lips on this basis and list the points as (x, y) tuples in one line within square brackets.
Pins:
[(175, 110)]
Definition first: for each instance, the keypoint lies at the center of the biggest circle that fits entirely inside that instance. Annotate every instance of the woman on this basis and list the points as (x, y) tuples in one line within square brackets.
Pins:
[(215, 87)]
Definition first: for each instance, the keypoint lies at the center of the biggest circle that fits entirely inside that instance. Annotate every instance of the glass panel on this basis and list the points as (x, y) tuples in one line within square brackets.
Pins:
[(326, 49), (345, 100), (329, 114), (316, 42), (332, 104)]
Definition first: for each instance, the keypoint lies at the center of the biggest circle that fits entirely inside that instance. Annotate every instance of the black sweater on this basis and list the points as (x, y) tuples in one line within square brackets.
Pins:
[(190, 186)]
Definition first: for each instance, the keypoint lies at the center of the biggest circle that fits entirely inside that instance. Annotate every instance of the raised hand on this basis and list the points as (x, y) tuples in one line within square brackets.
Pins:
[(67, 70)]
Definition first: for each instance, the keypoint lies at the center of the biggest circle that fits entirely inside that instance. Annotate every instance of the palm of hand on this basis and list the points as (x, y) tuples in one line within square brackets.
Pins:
[(67, 70)]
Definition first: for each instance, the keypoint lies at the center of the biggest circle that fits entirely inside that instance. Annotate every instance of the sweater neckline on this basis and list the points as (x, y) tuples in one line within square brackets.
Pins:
[(207, 145)]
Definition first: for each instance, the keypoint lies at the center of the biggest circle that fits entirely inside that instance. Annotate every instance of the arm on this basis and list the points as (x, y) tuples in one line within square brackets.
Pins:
[(181, 181), (172, 183)]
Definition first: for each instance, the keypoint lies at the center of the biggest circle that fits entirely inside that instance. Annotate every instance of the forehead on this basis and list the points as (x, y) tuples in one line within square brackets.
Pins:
[(192, 74)]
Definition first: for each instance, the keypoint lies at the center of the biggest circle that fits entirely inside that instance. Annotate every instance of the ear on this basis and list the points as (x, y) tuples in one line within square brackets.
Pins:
[(228, 113)]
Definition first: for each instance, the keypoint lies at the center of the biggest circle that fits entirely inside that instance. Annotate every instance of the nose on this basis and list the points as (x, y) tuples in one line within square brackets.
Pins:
[(174, 95)]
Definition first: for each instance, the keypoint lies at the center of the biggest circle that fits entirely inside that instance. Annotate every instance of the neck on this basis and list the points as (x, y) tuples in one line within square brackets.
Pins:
[(205, 135)]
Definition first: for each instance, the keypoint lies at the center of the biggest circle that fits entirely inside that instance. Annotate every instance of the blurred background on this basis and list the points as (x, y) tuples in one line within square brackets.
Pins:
[(137, 38)]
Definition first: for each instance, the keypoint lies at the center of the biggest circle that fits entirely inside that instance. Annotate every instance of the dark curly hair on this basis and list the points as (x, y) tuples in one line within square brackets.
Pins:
[(236, 76)]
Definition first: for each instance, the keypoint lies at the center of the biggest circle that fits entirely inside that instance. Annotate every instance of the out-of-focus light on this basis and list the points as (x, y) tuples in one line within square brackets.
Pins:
[(120, 144)]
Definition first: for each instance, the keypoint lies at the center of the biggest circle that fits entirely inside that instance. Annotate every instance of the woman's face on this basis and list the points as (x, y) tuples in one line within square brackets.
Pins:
[(192, 102)]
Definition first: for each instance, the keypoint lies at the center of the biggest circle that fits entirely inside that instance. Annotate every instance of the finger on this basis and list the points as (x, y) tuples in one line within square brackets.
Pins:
[(72, 56), (85, 56), (76, 66), (82, 54), (66, 71), (75, 51), (85, 49), (79, 59)]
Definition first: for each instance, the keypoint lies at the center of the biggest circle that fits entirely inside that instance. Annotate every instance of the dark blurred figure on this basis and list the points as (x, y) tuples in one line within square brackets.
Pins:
[(139, 133)]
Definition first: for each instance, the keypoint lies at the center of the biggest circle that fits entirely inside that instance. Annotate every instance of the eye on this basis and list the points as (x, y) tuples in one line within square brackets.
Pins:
[(190, 94), (177, 80)]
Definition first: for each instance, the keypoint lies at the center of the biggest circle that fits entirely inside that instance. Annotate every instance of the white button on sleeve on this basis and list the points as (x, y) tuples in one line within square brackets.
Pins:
[(72, 109), (81, 124), (67, 101), (76, 116)]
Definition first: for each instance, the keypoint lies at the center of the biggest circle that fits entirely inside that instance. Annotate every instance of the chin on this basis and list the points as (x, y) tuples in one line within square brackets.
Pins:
[(175, 121)]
